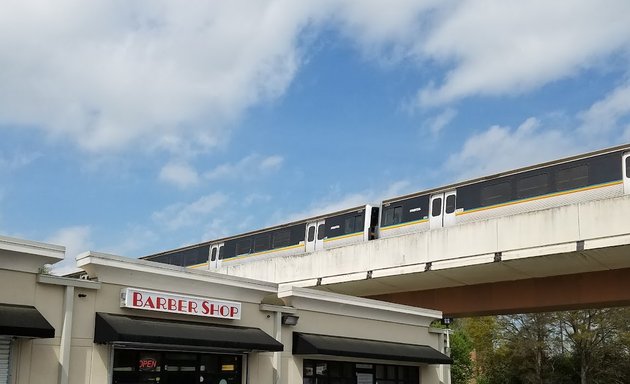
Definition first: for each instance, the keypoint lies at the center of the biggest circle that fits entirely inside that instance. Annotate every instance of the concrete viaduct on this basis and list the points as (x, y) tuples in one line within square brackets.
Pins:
[(569, 257)]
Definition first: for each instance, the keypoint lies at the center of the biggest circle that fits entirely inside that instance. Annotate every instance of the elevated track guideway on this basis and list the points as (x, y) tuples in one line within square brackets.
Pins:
[(550, 236), (574, 256)]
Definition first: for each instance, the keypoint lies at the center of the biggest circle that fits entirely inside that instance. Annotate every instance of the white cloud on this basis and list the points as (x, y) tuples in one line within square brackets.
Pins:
[(502, 47), (248, 167), (181, 215), (13, 161), (110, 74), (155, 75), (437, 123), (76, 239), (605, 115), (336, 202), (503, 148), (179, 174)]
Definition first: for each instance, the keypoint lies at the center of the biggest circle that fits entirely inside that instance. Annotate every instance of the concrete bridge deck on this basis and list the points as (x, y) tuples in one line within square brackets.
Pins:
[(565, 257)]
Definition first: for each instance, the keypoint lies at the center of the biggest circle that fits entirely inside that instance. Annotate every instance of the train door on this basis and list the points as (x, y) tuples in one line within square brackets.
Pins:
[(626, 173), (216, 252), (315, 233), (442, 209)]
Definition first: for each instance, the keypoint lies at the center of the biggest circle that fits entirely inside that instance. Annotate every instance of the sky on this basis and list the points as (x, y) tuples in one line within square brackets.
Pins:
[(133, 127)]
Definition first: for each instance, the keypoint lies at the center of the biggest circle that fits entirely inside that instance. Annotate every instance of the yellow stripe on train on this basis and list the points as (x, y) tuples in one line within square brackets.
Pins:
[(541, 197), (263, 252), (404, 224), (343, 237)]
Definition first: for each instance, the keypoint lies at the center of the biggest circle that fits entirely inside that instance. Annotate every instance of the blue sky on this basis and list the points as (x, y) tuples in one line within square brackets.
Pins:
[(135, 127)]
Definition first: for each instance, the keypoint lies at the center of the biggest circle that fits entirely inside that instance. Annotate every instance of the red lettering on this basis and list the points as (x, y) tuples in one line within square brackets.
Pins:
[(192, 307), (181, 305), (172, 304), (160, 303), (224, 310), (148, 363), (204, 308), (137, 299), (149, 303), (233, 311)]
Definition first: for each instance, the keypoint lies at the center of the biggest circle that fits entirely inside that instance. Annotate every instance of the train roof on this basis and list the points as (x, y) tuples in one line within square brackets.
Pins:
[(266, 229), (452, 186)]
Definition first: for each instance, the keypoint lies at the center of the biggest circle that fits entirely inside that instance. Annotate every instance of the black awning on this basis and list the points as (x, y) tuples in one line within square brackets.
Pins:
[(24, 321), (130, 329), (311, 344)]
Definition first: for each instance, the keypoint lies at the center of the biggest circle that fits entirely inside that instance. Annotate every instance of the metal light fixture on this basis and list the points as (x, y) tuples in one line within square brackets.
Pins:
[(290, 319)]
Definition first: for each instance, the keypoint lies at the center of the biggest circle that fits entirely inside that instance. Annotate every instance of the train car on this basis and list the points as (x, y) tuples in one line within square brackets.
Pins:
[(595, 175), (336, 229)]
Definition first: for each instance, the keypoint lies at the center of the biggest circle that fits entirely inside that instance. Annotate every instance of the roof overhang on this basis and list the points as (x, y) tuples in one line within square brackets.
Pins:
[(121, 329), (312, 344), (24, 321)]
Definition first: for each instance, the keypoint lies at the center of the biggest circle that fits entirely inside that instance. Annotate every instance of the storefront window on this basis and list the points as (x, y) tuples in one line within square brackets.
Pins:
[(336, 372), (143, 367)]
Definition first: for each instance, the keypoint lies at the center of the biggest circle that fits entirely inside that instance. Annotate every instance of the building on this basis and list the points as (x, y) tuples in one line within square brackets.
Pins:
[(135, 321)]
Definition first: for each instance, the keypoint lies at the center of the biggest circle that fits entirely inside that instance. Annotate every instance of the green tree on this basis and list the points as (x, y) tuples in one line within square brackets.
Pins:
[(461, 348)]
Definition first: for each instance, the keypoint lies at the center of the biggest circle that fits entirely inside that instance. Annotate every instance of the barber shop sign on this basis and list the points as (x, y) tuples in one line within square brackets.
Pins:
[(180, 304)]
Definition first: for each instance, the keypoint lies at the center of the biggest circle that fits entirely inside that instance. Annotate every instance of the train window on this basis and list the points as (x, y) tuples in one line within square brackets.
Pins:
[(496, 194), (311, 233), (221, 253), (262, 243), (391, 215), (281, 238), (177, 259), (628, 167), (450, 204), (532, 186), (213, 257), (397, 215), (436, 207), (358, 223), (243, 246), (571, 178), (321, 231), (349, 225)]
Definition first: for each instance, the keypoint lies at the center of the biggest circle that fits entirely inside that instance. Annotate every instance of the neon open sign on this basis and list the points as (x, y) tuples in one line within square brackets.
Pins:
[(148, 364)]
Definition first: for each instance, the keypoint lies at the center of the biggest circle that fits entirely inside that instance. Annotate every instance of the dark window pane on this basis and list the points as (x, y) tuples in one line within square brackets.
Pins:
[(436, 207), (243, 246), (572, 178), (380, 371), (532, 186), (450, 204), (334, 369), (262, 243), (402, 373), (221, 253), (628, 167), (214, 254), (496, 194), (391, 372), (388, 216), (125, 360), (358, 223), (349, 225), (311, 233), (281, 238), (321, 232), (397, 215)]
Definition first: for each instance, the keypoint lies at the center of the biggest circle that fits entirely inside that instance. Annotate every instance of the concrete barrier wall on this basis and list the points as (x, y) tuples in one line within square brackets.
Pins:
[(531, 234)]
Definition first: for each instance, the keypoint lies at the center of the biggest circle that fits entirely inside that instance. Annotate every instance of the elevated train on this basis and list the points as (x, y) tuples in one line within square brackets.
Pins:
[(596, 175)]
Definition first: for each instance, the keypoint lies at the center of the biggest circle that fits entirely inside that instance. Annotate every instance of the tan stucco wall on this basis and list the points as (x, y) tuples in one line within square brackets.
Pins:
[(37, 361)]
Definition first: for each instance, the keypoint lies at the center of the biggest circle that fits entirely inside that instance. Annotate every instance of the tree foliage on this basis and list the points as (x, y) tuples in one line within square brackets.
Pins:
[(586, 347)]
